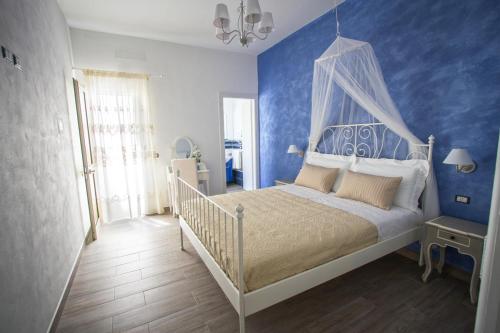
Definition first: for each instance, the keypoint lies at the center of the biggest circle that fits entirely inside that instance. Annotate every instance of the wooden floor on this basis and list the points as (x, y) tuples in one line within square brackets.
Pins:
[(135, 279), (234, 188)]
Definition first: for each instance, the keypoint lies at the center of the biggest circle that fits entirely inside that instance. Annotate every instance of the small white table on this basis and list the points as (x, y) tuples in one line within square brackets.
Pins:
[(465, 236)]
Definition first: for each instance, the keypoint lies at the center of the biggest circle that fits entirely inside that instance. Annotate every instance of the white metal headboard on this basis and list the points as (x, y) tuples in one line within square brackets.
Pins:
[(368, 140)]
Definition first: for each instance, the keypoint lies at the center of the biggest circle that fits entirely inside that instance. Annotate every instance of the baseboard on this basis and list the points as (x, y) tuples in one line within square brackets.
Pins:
[(455, 272), (60, 305)]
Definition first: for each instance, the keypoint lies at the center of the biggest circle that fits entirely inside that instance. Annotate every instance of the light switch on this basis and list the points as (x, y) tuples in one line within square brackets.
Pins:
[(60, 126)]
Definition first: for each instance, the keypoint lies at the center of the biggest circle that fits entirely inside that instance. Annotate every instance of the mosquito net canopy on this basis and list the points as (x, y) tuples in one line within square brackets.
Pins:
[(349, 88)]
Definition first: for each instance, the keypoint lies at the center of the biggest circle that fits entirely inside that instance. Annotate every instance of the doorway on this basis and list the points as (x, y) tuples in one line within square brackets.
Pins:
[(240, 144), (118, 134)]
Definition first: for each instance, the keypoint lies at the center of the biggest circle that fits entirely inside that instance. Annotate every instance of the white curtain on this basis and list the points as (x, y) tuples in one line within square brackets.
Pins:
[(348, 85), (122, 146)]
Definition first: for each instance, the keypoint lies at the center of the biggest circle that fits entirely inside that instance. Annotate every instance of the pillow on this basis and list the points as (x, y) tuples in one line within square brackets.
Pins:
[(340, 162), (413, 172), (377, 191), (317, 177)]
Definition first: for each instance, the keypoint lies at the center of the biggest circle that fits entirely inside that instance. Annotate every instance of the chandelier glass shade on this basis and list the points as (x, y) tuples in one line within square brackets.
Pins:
[(252, 23)]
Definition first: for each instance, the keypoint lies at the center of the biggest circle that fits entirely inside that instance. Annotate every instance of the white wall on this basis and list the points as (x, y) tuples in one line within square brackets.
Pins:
[(186, 101), (41, 224)]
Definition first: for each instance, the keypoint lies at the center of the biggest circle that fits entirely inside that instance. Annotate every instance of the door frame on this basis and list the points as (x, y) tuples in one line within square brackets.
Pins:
[(255, 136), (88, 169), (487, 319)]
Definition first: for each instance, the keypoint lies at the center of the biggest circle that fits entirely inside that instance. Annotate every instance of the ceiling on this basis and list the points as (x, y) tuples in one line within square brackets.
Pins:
[(186, 21)]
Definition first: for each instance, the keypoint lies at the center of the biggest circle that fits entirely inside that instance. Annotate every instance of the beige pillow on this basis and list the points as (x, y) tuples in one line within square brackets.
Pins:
[(377, 191), (316, 177)]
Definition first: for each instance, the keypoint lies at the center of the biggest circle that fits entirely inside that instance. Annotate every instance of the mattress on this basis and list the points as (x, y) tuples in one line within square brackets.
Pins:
[(389, 223), (284, 234)]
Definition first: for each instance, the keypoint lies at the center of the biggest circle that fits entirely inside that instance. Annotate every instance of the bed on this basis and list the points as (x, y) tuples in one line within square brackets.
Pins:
[(288, 239)]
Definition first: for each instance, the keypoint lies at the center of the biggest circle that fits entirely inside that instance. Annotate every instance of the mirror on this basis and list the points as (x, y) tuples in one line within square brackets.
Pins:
[(183, 147)]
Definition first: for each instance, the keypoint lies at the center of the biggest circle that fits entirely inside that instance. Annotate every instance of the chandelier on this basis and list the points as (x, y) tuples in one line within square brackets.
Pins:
[(252, 24)]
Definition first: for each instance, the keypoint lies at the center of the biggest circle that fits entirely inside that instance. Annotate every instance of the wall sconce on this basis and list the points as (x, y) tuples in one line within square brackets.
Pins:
[(461, 158), (292, 149)]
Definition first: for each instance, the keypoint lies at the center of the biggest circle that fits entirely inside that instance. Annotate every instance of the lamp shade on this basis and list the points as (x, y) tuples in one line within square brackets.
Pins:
[(253, 13), (266, 24), (292, 149), (221, 18), (458, 156), (221, 34)]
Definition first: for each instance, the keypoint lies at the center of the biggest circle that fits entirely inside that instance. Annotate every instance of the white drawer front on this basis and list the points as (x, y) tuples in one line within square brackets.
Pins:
[(453, 237)]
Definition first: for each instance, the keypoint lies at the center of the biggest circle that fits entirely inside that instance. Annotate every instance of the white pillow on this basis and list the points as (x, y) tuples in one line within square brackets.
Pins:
[(414, 173), (340, 162)]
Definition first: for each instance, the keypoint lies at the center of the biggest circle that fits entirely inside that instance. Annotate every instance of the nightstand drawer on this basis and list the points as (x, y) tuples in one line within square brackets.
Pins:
[(453, 237)]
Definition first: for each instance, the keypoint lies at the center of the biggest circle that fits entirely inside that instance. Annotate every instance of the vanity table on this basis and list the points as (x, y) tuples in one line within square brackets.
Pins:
[(182, 148), (203, 179)]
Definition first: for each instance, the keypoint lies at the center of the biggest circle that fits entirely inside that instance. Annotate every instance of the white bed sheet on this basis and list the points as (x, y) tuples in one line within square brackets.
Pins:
[(389, 223)]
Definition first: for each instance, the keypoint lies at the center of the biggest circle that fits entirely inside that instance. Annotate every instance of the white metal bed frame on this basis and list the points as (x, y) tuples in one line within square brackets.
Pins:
[(200, 218)]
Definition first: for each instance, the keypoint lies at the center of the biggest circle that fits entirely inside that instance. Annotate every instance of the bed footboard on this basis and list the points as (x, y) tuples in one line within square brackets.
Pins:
[(217, 236)]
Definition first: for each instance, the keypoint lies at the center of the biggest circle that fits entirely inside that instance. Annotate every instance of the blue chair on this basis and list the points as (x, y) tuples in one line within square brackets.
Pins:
[(229, 171)]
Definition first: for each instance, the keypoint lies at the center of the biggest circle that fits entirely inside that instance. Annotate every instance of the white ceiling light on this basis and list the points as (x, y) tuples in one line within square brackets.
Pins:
[(252, 14), (248, 17), (266, 25), (221, 16)]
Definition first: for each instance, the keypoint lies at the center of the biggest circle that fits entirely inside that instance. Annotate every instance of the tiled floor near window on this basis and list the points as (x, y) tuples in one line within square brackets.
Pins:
[(136, 279)]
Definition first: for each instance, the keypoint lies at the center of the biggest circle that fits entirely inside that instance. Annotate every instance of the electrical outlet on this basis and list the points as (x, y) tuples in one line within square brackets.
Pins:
[(462, 199), (17, 62), (6, 54), (10, 57)]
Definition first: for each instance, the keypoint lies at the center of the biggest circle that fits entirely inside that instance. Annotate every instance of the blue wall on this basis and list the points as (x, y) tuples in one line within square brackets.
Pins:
[(441, 62)]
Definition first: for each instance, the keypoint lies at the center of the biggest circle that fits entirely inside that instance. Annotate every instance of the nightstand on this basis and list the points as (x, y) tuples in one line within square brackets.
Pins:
[(465, 236), (283, 182)]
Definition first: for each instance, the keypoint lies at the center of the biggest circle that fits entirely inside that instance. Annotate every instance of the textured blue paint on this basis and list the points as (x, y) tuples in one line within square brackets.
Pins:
[(441, 63)]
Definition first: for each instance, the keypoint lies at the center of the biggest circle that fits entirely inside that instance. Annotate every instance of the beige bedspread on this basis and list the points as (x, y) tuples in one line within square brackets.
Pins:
[(283, 235)]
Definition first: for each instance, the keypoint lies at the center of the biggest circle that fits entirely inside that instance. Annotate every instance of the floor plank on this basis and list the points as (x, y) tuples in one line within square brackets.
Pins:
[(150, 312), (77, 303), (148, 283), (81, 288), (135, 279), (71, 321)]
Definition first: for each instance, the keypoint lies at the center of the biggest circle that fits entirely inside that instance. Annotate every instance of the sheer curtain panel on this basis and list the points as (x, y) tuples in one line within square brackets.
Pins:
[(121, 132)]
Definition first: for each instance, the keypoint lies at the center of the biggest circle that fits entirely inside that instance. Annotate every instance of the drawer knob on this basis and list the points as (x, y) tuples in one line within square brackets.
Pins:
[(452, 237)]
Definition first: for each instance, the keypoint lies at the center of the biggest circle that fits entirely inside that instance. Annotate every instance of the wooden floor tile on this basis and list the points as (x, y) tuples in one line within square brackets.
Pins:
[(80, 288), (104, 264), (71, 321), (150, 312), (95, 326), (148, 283), (78, 303), (140, 329)]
